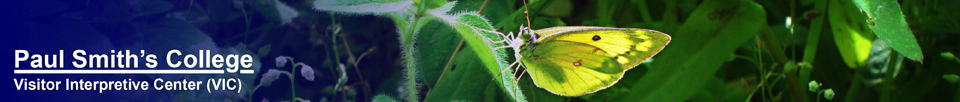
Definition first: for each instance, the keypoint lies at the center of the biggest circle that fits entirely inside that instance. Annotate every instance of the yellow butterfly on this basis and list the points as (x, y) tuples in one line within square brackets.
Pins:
[(573, 61), (576, 60)]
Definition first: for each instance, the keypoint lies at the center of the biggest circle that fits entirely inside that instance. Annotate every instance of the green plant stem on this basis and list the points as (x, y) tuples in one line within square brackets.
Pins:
[(956, 97), (409, 51), (819, 92), (410, 59), (336, 55), (813, 37), (888, 79), (293, 89), (855, 89), (254, 90), (810, 50), (411, 73)]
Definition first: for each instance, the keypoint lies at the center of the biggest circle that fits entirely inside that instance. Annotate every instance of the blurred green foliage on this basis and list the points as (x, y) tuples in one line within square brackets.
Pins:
[(723, 50)]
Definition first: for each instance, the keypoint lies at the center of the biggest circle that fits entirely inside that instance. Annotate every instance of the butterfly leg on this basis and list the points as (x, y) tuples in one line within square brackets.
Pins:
[(521, 76), (495, 48), (517, 81), (501, 41), (505, 69)]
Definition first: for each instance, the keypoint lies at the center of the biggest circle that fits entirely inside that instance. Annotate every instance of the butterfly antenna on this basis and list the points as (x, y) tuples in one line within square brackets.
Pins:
[(526, 13)]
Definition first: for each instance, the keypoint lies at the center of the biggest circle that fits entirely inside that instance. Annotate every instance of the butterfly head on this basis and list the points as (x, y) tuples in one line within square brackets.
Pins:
[(526, 31), (533, 36)]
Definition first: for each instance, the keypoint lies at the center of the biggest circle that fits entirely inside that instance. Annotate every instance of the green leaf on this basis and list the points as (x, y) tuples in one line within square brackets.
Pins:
[(464, 81), (430, 4), (264, 51), (375, 8), (715, 90), (952, 78), (888, 23), (916, 88), (437, 44), (948, 55), (493, 60), (559, 8), (383, 98), (275, 10), (711, 34), (149, 7), (285, 12), (852, 41)]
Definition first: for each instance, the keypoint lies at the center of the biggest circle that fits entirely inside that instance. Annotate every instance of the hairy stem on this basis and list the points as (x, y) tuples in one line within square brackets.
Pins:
[(409, 57)]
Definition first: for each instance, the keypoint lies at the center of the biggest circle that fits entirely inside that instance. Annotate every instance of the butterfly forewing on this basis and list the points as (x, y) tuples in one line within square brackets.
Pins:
[(630, 46), (573, 71)]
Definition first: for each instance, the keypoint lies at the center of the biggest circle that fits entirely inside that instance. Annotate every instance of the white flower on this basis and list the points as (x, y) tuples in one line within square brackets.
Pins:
[(307, 72), (269, 77), (281, 60)]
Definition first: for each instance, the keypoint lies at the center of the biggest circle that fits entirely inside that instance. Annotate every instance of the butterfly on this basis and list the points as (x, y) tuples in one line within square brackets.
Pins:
[(573, 61), (576, 60)]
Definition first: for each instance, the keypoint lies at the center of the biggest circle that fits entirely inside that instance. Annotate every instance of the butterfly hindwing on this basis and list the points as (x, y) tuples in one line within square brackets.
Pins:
[(576, 60), (574, 71)]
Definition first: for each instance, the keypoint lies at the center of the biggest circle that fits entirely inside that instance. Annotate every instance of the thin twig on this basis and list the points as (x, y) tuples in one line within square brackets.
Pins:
[(455, 51), (364, 54), (347, 45), (482, 6)]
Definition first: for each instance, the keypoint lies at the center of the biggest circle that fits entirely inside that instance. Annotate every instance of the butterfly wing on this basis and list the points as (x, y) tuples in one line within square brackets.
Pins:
[(630, 45), (573, 61)]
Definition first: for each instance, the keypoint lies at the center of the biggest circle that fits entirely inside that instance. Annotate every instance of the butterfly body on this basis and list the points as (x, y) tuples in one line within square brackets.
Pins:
[(578, 60)]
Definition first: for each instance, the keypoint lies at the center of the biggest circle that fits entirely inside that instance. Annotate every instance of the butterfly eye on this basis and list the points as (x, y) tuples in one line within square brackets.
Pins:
[(533, 35)]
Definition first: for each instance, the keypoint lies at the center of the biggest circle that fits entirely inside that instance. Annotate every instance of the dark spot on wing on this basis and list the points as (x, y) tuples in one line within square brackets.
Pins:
[(596, 37), (578, 63)]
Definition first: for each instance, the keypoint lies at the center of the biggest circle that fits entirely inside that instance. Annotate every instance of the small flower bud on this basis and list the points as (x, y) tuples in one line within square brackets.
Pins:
[(269, 77), (281, 60), (828, 94), (813, 86), (307, 72)]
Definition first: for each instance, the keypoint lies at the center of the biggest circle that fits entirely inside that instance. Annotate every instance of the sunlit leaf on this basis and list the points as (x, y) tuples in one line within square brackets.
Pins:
[(853, 42), (376, 8), (888, 23)]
